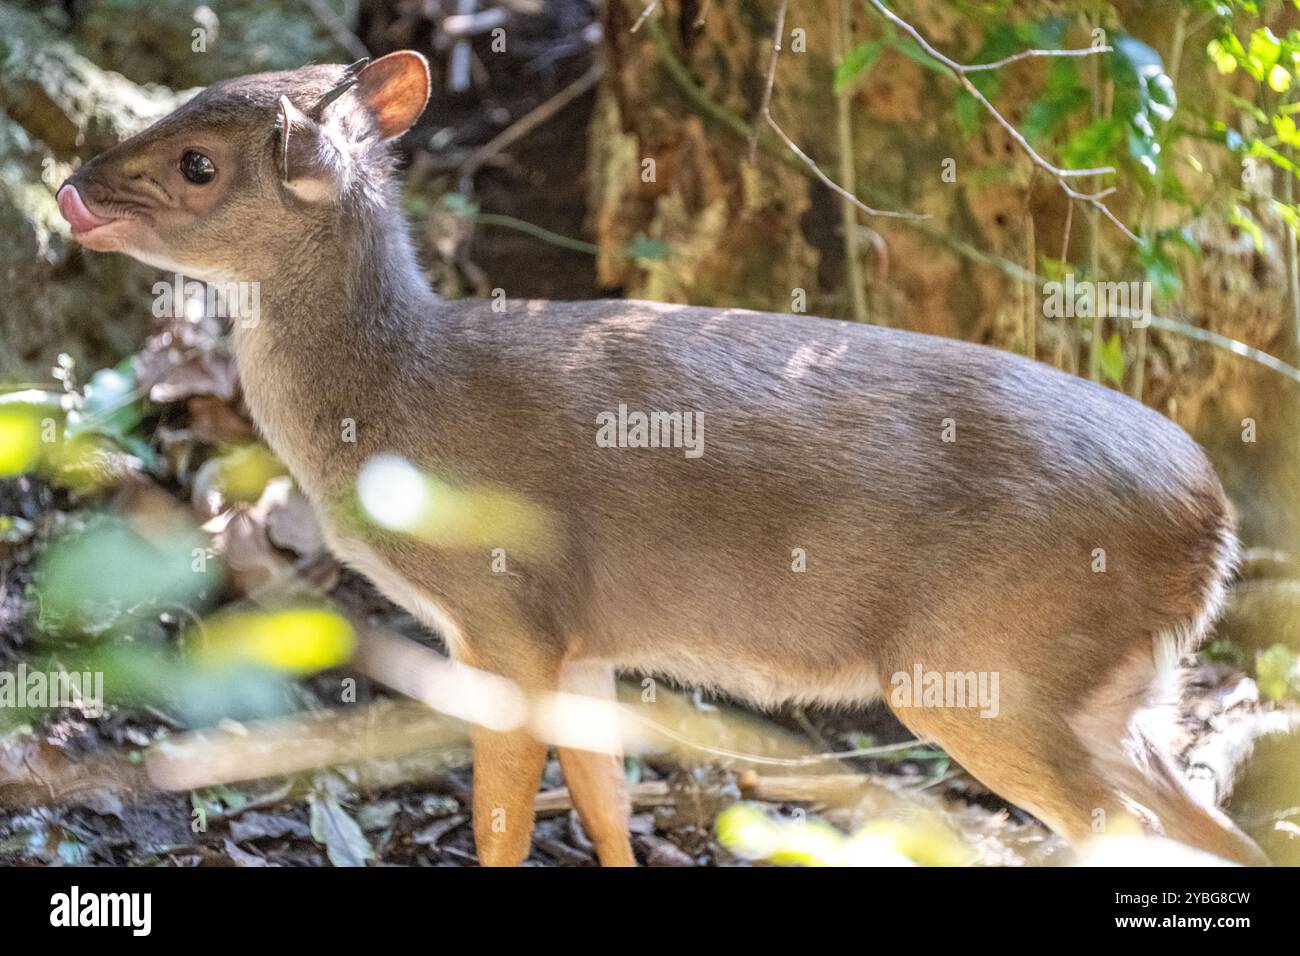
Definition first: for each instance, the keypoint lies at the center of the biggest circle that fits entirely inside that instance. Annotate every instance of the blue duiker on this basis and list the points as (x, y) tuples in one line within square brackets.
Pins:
[(834, 512)]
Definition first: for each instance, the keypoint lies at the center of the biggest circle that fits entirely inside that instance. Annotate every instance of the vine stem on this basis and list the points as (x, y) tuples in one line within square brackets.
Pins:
[(841, 33)]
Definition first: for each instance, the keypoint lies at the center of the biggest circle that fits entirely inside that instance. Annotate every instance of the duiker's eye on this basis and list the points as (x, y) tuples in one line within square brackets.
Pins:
[(197, 168)]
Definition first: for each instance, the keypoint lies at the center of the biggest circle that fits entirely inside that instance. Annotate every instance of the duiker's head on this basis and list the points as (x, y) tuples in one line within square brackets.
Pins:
[(250, 168)]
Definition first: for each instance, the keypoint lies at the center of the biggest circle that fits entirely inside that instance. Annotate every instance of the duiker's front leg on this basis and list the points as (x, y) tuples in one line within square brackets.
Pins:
[(596, 781), (507, 770), (508, 764)]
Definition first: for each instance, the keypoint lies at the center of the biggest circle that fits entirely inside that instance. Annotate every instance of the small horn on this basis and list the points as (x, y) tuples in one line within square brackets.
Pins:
[(350, 74)]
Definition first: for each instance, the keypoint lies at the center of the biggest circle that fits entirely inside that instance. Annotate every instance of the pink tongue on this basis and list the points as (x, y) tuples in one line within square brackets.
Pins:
[(74, 210)]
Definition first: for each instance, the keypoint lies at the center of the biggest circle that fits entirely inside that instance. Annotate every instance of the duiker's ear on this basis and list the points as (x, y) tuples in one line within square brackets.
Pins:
[(394, 89), (311, 165)]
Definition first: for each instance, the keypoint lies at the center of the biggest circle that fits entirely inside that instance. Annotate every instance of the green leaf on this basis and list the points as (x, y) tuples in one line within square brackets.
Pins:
[(1144, 99), (912, 50), (1277, 672), (1094, 144), (1262, 52), (298, 640), (1053, 270), (1063, 95), (109, 403), (968, 113), (1112, 359), (1290, 213), (855, 66), (1246, 106), (1241, 218), (110, 574), (72, 851), (1261, 149), (1158, 265), (1219, 51), (460, 205), (1286, 130)]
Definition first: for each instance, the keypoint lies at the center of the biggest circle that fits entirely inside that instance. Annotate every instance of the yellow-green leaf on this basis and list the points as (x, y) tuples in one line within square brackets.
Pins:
[(298, 640)]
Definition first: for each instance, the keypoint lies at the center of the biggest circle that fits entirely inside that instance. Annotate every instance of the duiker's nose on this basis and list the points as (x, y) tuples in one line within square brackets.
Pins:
[(73, 208)]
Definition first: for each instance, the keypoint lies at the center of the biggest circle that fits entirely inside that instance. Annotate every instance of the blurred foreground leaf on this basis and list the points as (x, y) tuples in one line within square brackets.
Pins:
[(110, 576), (746, 830), (1277, 672), (296, 640), (20, 439)]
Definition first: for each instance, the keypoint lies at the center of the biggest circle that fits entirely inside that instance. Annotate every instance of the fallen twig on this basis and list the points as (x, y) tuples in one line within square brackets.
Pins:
[(837, 789)]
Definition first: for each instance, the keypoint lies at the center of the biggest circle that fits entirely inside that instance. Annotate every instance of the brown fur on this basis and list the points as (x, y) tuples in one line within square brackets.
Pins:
[(973, 555)]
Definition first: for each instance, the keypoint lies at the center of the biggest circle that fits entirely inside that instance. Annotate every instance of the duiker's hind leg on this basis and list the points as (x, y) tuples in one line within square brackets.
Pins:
[(1034, 761), (1075, 769), (1126, 738), (1151, 781)]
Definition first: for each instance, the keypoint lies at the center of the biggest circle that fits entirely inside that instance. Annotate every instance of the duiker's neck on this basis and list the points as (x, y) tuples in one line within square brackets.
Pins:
[(345, 315), (356, 278)]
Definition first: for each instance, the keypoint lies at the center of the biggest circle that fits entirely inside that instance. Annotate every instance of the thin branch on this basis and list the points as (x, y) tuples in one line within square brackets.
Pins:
[(764, 108), (1232, 346), (1031, 260), (536, 231), (831, 184), (529, 122), (1027, 54), (645, 15), (765, 116), (1097, 100), (806, 760), (335, 25), (460, 26), (960, 71), (458, 68), (1065, 261), (1065, 236), (841, 30)]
